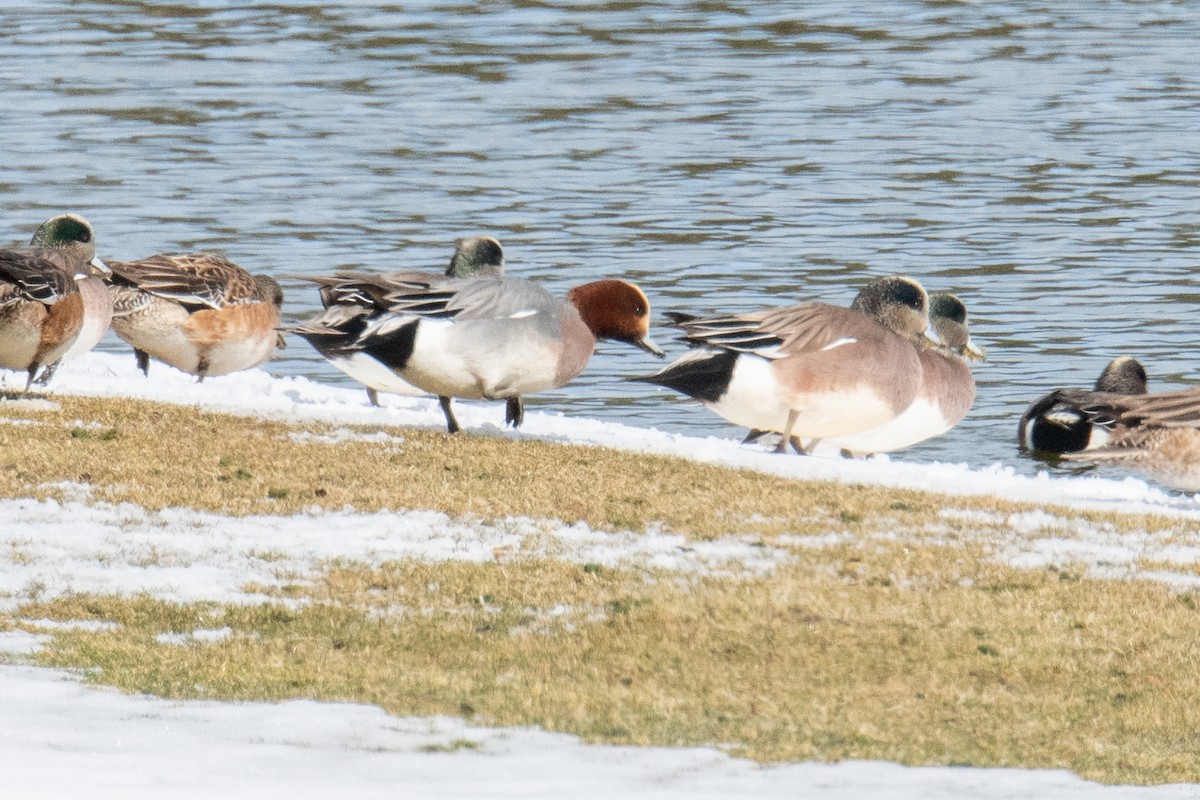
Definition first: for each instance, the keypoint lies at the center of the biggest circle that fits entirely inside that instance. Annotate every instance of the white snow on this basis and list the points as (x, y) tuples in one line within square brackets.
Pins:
[(185, 555), (61, 738), (73, 741)]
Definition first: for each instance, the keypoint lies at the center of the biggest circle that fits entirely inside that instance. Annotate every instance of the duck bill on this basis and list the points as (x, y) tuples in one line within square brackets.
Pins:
[(649, 346), (929, 337), (100, 267), (973, 352)]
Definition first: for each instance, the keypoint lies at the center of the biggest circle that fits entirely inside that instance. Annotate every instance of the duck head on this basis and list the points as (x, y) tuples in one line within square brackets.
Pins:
[(1123, 375), (615, 310), (897, 303), (477, 255), (948, 319), (71, 236)]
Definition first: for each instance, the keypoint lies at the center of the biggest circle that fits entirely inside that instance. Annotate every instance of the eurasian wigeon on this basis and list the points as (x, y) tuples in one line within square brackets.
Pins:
[(197, 312), (947, 386), (351, 299), (42, 310), (1052, 426), (1155, 434), (492, 337), (810, 371)]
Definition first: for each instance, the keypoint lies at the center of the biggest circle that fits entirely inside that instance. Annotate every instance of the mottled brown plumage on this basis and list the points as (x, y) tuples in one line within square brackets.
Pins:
[(1169, 456), (41, 308), (197, 312), (1155, 434)]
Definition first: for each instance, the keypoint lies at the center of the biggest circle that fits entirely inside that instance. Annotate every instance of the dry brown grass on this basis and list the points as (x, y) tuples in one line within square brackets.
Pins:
[(903, 641), (159, 456), (921, 656)]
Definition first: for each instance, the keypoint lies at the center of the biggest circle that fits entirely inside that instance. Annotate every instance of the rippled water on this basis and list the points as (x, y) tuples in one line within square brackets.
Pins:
[(1040, 160)]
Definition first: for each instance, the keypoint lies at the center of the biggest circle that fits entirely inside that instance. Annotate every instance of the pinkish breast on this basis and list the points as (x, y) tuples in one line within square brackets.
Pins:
[(576, 346)]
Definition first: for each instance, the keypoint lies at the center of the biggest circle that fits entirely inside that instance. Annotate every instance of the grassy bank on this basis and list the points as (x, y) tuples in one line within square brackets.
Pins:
[(900, 637)]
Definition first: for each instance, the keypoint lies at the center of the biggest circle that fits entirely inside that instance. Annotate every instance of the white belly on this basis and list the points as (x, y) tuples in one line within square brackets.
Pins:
[(370, 372), (755, 399), (239, 354), (920, 421)]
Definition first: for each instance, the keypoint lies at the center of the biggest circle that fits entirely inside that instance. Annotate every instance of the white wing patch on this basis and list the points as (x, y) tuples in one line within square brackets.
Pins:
[(522, 314), (1064, 418), (839, 342), (385, 324)]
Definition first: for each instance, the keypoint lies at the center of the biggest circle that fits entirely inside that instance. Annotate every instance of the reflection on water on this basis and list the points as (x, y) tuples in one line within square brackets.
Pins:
[(726, 155)]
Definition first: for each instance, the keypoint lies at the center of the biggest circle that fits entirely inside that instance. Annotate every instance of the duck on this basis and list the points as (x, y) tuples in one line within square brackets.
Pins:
[(1052, 426), (197, 312), (496, 337), (1157, 435), (810, 371), (947, 389), (93, 288), (351, 299), (42, 310)]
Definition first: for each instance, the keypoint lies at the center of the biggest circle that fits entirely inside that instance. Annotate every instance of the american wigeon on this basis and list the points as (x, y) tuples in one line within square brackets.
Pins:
[(1052, 425), (493, 337), (1168, 456), (1155, 434), (93, 288), (810, 371), (197, 312), (42, 310), (947, 386), (352, 299), (476, 255)]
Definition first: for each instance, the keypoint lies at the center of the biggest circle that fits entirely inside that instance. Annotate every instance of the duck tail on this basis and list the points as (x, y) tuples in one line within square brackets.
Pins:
[(702, 374)]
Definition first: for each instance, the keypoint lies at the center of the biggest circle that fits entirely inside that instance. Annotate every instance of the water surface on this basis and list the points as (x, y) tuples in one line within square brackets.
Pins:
[(1039, 160)]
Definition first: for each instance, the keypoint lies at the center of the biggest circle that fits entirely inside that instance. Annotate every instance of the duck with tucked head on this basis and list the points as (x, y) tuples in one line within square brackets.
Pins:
[(1053, 425), (197, 312), (947, 386), (1157, 435), (43, 311), (494, 337), (1119, 423), (810, 371), (352, 299)]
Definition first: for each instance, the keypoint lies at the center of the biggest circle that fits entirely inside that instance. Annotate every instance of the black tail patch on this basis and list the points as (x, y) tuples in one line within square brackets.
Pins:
[(333, 341), (1045, 427), (395, 348), (704, 377)]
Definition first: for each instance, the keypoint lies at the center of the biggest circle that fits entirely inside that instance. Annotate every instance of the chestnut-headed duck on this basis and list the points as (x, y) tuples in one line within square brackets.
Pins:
[(42, 310), (947, 386), (351, 299), (197, 312), (493, 337), (1052, 425), (810, 371)]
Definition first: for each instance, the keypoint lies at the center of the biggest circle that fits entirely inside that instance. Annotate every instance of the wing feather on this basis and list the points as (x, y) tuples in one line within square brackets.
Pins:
[(772, 333), (36, 278), (191, 279)]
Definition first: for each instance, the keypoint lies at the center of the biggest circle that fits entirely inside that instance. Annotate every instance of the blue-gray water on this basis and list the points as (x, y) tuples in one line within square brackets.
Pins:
[(1041, 160)]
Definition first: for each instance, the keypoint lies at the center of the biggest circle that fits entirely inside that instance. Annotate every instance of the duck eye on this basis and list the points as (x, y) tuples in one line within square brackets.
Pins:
[(911, 297)]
